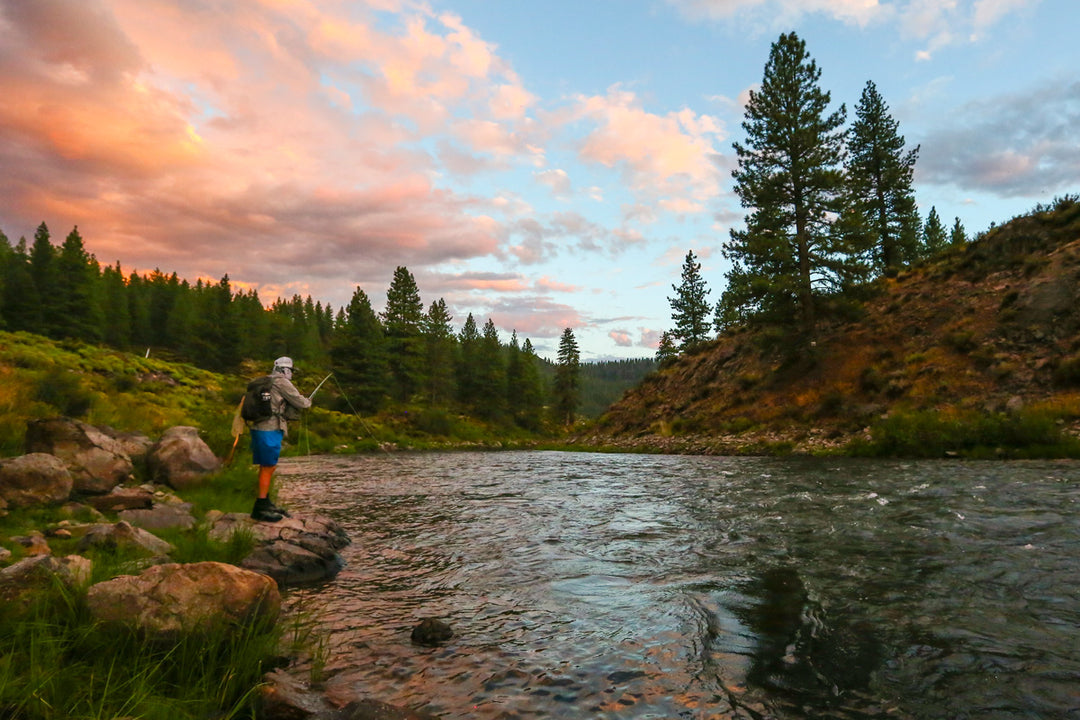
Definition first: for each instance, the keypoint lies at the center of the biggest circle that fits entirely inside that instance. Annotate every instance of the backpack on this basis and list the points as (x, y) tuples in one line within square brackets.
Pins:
[(256, 406)]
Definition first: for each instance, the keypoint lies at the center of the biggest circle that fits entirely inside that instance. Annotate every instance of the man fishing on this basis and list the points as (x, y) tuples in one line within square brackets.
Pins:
[(267, 434)]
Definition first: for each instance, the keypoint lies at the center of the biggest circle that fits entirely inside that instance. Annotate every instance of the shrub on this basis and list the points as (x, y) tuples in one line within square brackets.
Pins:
[(64, 391), (1067, 372)]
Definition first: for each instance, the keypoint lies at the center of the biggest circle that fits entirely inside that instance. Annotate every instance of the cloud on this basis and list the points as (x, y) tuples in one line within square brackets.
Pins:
[(1021, 145), (621, 338), (650, 338), (671, 157), (782, 12)]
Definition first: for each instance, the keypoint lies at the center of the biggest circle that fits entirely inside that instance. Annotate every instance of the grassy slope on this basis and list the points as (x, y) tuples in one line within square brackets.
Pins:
[(976, 352)]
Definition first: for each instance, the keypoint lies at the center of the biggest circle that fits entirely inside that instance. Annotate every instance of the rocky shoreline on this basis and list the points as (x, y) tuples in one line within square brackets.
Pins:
[(87, 474)]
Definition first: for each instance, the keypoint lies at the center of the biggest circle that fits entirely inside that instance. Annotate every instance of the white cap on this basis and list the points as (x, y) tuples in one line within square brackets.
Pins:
[(283, 363)]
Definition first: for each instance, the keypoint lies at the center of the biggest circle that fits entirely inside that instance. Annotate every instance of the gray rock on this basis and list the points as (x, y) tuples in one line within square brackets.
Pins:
[(181, 459), (167, 599), (295, 550), (123, 534), (97, 462), (35, 479), (41, 571), (161, 517), (121, 498)]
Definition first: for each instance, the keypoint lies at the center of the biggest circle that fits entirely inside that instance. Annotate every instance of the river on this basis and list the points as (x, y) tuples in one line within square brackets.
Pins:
[(585, 585)]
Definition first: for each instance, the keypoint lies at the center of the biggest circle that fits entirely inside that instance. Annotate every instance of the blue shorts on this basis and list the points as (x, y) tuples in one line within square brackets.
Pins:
[(266, 447)]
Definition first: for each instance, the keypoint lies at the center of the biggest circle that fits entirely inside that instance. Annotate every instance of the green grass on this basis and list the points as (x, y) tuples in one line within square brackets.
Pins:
[(57, 662)]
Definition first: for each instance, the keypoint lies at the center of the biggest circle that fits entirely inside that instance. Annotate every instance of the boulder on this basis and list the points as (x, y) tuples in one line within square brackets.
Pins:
[(431, 632), (35, 543), (122, 535), (293, 551), (198, 597), (34, 479), (41, 571), (135, 445), (181, 459), (161, 517), (96, 461), (121, 498)]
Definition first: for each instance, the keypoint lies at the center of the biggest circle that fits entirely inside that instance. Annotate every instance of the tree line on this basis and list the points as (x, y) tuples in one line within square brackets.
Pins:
[(829, 208), (403, 356)]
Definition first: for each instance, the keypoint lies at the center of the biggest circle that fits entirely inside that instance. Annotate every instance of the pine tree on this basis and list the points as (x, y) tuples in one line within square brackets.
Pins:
[(78, 297), (879, 180), (689, 309), (403, 320), (491, 374), (934, 234), (531, 408), (468, 379), (666, 351), (359, 355), (45, 275), (440, 348), (116, 307), (790, 181), (958, 236), (22, 305), (567, 378)]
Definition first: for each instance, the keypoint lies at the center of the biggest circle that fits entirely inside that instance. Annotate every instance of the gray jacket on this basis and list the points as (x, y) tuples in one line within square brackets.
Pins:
[(284, 397)]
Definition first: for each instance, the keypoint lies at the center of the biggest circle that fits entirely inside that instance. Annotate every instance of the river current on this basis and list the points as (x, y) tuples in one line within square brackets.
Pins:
[(637, 586)]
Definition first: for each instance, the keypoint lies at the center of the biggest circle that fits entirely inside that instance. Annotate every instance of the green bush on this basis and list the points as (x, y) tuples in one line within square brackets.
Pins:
[(64, 390)]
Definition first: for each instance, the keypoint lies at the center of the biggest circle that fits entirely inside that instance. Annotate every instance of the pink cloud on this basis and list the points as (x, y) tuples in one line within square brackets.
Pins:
[(546, 283), (621, 338)]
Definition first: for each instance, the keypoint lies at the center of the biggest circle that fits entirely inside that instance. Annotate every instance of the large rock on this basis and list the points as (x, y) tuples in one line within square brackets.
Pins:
[(161, 517), (181, 459), (168, 599), (97, 462), (122, 499), (122, 535), (293, 551), (40, 572), (35, 479)]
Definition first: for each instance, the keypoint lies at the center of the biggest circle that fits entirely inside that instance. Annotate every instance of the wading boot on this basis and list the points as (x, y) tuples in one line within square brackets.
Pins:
[(264, 511), (280, 510)]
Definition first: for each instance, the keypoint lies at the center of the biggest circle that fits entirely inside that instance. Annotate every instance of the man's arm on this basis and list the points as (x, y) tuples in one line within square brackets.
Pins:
[(291, 395)]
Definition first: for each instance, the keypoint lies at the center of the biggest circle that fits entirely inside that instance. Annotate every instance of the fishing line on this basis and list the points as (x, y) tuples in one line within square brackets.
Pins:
[(357, 414)]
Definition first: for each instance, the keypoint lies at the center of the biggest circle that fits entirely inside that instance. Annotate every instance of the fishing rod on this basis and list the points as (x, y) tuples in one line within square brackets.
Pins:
[(312, 395)]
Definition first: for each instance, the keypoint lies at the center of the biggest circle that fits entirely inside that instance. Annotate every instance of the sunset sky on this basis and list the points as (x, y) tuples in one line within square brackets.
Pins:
[(547, 164)]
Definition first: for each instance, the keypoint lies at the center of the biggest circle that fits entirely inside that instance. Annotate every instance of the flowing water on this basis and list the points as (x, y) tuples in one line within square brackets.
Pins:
[(630, 586)]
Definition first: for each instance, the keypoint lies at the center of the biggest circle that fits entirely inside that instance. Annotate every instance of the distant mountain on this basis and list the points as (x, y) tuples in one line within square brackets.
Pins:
[(975, 352)]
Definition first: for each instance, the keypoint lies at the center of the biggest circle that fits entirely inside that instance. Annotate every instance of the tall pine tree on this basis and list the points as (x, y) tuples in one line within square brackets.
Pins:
[(879, 177), (440, 350), (689, 308), (567, 379), (359, 355), (403, 320), (790, 180)]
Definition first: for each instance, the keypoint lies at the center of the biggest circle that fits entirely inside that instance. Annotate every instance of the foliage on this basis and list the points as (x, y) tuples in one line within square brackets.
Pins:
[(689, 309), (790, 180), (879, 181), (567, 379), (935, 237)]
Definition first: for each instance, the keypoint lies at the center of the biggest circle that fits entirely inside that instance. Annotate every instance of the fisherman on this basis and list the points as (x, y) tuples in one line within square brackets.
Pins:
[(286, 402)]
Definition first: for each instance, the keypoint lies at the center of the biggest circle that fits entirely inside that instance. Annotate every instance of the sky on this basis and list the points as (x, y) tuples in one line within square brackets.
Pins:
[(542, 164)]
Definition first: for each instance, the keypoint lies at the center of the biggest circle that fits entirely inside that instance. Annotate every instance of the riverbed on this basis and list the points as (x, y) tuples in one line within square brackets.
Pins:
[(585, 585)]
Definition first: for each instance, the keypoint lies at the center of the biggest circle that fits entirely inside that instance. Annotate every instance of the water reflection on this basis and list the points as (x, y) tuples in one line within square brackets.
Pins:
[(593, 586)]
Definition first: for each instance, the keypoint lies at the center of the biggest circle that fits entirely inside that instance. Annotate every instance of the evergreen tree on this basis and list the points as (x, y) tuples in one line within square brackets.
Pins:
[(468, 379), (440, 348), (358, 352), (490, 374), (934, 234), (78, 298), (567, 378), (116, 307), (879, 180), (142, 334), (689, 308), (790, 181), (530, 403), (958, 236), (403, 319), (22, 306), (6, 254), (45, 275), (514, 369), (666, 351)]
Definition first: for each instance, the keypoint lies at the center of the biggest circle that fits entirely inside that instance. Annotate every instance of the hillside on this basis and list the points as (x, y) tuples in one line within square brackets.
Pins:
[(975, 352)]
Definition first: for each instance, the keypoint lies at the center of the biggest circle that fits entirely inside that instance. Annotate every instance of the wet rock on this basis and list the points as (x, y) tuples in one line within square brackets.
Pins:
[(431, 632), (121, 498), (167, 599), (161, 517), (181, 459), (97, 462), (40, 572), (294, 550), (285, 697), (122, 535), (375, 710), (34, 479)]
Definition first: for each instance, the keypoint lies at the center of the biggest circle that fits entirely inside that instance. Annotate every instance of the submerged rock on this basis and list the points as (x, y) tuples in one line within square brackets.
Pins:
[(431, 632)]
